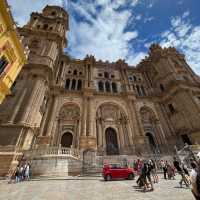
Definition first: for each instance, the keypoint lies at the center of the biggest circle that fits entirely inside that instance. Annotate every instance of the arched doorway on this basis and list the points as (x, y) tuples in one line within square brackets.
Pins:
[(66, 140), (151, 141), (111, 142)]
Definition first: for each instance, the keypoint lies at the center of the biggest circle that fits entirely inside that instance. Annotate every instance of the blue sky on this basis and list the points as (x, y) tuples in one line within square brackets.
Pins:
[(113, 29)]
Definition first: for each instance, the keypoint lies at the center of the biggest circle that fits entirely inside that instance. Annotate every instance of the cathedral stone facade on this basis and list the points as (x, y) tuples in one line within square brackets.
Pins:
[(110, 108)]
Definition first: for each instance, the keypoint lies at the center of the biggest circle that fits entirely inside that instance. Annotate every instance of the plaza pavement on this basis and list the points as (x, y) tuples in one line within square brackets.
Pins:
[(91, 188)]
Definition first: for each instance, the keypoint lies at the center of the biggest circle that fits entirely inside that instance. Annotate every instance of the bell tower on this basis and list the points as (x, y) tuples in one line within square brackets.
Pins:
[(22, 113)]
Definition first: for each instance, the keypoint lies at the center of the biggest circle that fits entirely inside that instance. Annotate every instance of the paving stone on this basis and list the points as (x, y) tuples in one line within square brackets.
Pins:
[(91, 188)]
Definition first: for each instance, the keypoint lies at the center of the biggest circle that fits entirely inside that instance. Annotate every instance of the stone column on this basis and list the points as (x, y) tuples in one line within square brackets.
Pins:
[(121, 136), (18, 105), (133, 127), (100, 138), (38, 100), (29, 105), (91, 118), (52, 118), (84, 117), (44, 118)]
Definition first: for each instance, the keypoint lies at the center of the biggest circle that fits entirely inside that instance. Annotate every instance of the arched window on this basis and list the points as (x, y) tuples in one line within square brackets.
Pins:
[(106, 75), (138, 90), (73, 84), (114, 87), (100, 86), (75, 72), (79, 86), (45, 27), (107, 85), (67, 84)]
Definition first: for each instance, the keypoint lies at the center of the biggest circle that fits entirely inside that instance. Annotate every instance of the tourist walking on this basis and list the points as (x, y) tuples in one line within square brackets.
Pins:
[(163, 165), (170, 171), (27, 172), (17, 174), (154, 171), (181, 172), (146, 175)]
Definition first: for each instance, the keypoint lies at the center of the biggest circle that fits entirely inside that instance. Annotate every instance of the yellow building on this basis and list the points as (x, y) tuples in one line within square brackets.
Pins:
[(12, 54)]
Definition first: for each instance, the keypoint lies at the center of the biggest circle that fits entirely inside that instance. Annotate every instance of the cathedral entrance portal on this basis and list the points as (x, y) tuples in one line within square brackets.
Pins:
[(66, 140), (111, 142)]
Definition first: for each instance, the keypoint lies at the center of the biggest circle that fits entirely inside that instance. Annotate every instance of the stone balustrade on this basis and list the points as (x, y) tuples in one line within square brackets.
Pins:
[(47, 151)]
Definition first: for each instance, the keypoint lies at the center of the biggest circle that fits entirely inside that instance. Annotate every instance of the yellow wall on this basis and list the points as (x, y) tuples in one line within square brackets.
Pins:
[(11, 48)]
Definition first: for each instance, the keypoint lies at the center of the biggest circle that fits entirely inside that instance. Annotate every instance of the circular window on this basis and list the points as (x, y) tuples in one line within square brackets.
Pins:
[(69, 72)]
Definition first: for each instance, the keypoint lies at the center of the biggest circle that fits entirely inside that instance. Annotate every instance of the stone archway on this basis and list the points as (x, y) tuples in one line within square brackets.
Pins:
[(66, 140), (151, 129), (111, 142)]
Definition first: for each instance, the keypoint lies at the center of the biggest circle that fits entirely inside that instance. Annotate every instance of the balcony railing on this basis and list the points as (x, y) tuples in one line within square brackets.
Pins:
[(47, 151)]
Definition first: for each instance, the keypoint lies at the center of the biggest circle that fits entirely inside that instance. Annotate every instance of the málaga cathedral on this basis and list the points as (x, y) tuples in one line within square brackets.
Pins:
[(66, 111)]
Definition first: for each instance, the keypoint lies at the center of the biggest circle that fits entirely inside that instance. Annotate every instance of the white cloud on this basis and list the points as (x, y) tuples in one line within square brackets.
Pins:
[(135, 58), (186, 14), (104, 36), (21, 9), (138, 17), (134, 2), (184, 37)]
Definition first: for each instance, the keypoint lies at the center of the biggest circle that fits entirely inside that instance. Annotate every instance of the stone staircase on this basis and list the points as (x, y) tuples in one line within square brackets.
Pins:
[(54, 162)]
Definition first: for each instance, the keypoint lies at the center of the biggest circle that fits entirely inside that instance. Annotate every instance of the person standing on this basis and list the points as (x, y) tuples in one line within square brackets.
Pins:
[(27, 171), (163, 165), (154, 171), (181, 172), (17, 174)]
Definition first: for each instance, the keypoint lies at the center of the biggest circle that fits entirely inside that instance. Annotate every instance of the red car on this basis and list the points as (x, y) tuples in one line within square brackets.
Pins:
[(116, 171)]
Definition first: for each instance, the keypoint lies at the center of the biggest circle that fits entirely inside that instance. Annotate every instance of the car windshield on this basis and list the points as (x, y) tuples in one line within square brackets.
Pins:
[(116, 166)]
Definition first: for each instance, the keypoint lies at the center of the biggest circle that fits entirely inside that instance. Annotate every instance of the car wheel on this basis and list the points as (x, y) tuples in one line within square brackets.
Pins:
[(131, 176), (108, 177)]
